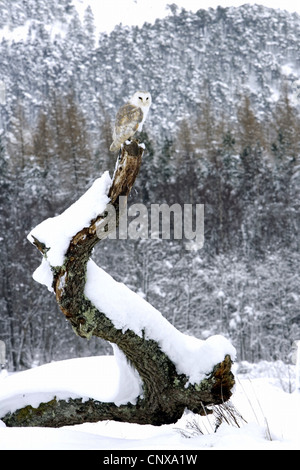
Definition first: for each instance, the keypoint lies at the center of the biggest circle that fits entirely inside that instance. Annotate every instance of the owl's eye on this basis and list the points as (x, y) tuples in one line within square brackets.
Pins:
[(147, 98), (140, 98)]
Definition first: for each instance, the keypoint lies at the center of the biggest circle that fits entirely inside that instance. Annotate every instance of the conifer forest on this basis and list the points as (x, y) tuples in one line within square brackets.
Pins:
[(223, 131)]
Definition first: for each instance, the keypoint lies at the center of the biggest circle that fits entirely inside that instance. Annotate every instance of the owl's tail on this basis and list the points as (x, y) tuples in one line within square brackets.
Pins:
[(114, 146)]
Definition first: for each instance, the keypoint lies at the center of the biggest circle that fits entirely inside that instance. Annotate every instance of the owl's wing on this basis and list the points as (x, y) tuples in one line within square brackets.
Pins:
[(127, 122), (128, 115)]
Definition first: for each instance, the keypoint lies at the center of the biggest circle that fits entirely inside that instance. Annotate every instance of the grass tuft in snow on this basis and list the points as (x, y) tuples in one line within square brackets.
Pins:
[(209, 424)]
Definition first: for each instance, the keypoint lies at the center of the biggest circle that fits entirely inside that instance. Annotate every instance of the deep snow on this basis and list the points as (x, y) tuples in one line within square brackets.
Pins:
[(272, 414)]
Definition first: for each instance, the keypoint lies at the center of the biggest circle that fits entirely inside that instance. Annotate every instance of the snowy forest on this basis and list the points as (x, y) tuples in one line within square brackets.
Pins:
[(223, 131)]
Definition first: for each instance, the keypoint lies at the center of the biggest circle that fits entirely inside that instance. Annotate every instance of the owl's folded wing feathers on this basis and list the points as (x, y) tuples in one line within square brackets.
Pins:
[(128, 113), (127, 122)]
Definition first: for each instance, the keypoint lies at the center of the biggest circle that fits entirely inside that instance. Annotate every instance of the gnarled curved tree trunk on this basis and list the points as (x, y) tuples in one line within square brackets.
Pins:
[(165, 391)]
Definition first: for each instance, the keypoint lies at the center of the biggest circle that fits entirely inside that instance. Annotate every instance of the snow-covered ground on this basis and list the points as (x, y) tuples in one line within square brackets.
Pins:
[(261, 397)]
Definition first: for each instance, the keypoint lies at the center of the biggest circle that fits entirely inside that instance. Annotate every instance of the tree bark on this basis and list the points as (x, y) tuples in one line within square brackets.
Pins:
[(166, 393)]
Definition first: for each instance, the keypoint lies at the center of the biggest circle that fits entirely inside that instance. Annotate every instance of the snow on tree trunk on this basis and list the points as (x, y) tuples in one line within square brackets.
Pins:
[(162, 371)]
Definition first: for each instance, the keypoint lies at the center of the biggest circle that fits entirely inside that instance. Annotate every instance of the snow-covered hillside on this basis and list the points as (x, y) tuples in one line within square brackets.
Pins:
[(271, 416), (180, 58)]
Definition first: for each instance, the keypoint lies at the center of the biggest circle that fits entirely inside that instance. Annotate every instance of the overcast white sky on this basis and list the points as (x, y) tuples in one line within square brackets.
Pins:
[(108, 13)]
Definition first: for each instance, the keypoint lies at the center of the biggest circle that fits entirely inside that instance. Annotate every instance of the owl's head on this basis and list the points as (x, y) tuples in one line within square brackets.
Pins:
[(142, 99)]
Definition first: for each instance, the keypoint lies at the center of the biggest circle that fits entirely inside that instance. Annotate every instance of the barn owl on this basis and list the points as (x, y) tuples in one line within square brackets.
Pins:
[(130, 118)]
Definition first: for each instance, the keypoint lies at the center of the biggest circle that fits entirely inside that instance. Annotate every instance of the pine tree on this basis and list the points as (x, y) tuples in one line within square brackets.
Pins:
[(250, 142), (89, 27), (285, 151), (19, 141)]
